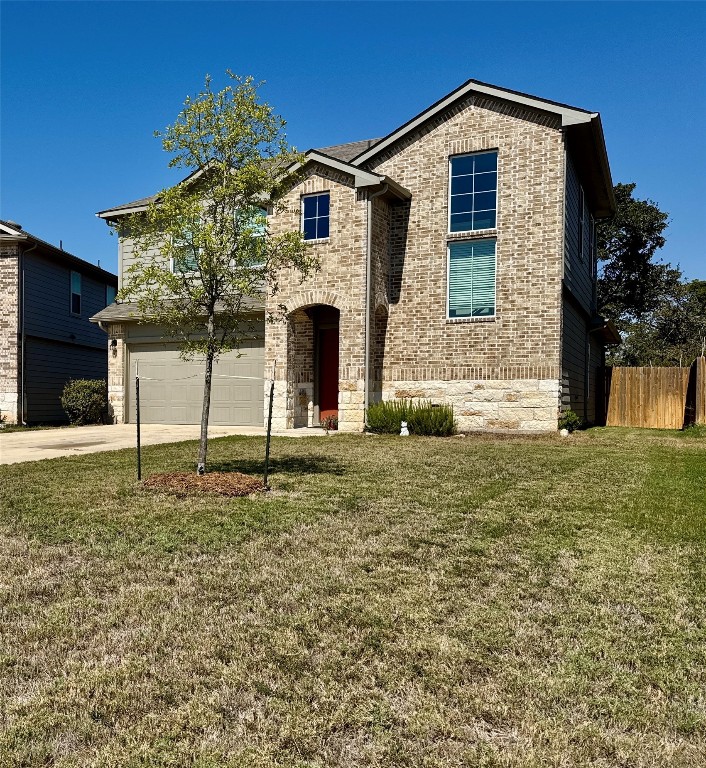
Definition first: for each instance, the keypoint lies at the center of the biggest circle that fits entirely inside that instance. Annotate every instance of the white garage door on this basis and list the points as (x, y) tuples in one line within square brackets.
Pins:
[(171, 389)]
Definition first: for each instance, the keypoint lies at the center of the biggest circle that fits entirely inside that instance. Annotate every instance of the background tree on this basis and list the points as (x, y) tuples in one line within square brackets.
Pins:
[(673, 334), (630, 282), (661, 318), (203, 251)]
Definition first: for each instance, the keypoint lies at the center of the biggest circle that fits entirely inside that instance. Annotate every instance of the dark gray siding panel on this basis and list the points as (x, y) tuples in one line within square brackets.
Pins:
[(578, 263), (49, 365), (575, 353), (47, 303)]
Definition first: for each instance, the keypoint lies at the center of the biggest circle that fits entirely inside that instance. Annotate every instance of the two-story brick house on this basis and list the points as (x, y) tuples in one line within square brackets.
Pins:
[(46, 339), (457, 264)]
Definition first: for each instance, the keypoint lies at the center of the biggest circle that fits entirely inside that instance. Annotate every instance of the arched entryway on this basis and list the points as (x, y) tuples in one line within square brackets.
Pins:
[(326, 322), (313, 364)]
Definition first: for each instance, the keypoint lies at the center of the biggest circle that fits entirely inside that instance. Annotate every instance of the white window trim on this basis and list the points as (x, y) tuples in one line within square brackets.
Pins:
[(315, 240), (488, 231), (477, 318)]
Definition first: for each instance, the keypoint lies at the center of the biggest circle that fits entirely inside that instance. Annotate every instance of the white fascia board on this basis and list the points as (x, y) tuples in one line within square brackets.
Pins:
[(113, 214), (9, 233), (568, 115), (362, 178)]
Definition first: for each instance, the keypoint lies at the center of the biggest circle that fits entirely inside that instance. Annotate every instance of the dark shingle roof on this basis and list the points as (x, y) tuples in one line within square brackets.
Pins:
[(348, 151), (344, 152), (129, 311)]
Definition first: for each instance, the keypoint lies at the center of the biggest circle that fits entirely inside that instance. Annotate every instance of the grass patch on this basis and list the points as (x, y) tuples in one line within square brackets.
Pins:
[(392, 602)]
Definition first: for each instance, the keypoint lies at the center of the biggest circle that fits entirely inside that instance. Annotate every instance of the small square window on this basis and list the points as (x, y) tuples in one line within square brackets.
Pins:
[(315, 216), (75, 293)]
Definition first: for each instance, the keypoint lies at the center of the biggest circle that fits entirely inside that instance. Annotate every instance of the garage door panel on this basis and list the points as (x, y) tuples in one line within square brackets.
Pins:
[(171, 389)]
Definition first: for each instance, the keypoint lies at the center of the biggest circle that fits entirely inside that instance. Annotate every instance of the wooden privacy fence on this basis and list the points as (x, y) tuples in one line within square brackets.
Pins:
[(660, 398)]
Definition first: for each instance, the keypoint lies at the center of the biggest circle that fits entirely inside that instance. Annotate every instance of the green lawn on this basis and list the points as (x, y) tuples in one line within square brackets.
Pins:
[(392, 602)]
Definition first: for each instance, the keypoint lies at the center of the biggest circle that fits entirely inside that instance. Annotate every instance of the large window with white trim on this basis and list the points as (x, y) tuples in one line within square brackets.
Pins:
[(315, 216), (471, 279), (473, 192)]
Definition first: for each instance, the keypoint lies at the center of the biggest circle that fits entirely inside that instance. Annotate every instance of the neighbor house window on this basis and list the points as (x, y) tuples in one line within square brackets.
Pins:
[(110, 292), (473, 195), (315, 216), (75, 293), (471, 279)]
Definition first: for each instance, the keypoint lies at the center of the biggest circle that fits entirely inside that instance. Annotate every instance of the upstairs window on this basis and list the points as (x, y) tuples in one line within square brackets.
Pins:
[(471, 279), (75, 293), (110, 292), (473, 197), (185, 256), (315, 216)]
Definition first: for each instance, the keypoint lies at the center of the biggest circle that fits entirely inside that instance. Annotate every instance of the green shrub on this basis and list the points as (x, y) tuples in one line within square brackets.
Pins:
[(570, 420), (422, 418), (428, 419), (85, 400), (387, 416)]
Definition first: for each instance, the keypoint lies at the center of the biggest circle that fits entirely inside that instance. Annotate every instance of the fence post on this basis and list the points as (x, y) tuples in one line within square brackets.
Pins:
[(701, 390), (137, 420), (269, 428)]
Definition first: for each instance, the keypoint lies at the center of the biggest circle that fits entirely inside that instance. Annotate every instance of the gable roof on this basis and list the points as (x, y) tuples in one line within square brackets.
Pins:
[(582, 127), (11, 231)]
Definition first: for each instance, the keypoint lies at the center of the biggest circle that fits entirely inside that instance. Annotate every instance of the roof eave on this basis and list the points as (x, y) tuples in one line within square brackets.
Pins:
[(569, 115)]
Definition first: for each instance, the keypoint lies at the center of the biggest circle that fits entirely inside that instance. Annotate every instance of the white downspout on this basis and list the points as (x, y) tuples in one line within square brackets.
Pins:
[(368, 287)]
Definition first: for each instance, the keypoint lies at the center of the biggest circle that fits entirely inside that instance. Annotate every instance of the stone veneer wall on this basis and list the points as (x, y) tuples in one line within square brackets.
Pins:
[(489, 400), (9, 333)]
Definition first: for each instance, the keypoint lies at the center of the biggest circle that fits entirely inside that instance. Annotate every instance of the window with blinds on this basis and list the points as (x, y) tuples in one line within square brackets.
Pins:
[(471, 279)]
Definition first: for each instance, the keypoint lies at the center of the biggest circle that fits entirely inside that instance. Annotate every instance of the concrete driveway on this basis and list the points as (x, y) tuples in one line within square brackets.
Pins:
[(34, 445)]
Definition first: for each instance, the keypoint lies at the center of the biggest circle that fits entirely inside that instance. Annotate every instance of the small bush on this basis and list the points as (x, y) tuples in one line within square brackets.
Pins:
[(85, 400), (422, 418), (386, 417), (428, 419), (329, 423), (570, 420)]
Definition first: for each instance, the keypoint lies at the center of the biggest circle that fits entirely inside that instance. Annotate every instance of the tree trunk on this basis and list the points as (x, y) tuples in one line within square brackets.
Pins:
[(203, 443)]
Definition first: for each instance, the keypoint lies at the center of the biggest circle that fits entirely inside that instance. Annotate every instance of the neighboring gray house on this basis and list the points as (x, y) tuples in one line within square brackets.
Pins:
[(458, 264), (46, 338)]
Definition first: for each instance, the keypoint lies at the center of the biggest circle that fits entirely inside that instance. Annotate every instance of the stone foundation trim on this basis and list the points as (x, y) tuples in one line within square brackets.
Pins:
[(473, 373), (508, 405)]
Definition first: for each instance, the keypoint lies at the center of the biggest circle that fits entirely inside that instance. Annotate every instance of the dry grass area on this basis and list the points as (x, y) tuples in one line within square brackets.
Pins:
[(392, 602)]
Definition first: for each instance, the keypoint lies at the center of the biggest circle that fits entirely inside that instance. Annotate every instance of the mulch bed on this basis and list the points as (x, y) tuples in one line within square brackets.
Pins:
[(189, 483)]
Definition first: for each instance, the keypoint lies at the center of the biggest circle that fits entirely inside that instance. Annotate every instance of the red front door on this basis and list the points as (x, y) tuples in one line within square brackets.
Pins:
[(328, 372)]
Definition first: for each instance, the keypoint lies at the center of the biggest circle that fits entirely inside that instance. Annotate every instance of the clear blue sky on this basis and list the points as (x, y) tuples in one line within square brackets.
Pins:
[(84, 85)]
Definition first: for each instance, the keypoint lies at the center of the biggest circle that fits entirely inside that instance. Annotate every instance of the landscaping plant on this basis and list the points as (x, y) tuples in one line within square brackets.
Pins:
[(570, 420), (85, 400), (423, 418)]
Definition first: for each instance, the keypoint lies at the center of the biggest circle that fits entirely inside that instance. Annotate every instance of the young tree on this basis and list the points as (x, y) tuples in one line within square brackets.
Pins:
[(203, 252)]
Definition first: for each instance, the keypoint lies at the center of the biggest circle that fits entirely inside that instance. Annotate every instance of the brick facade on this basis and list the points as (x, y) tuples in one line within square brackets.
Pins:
[(10, 342), (500, 373)]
